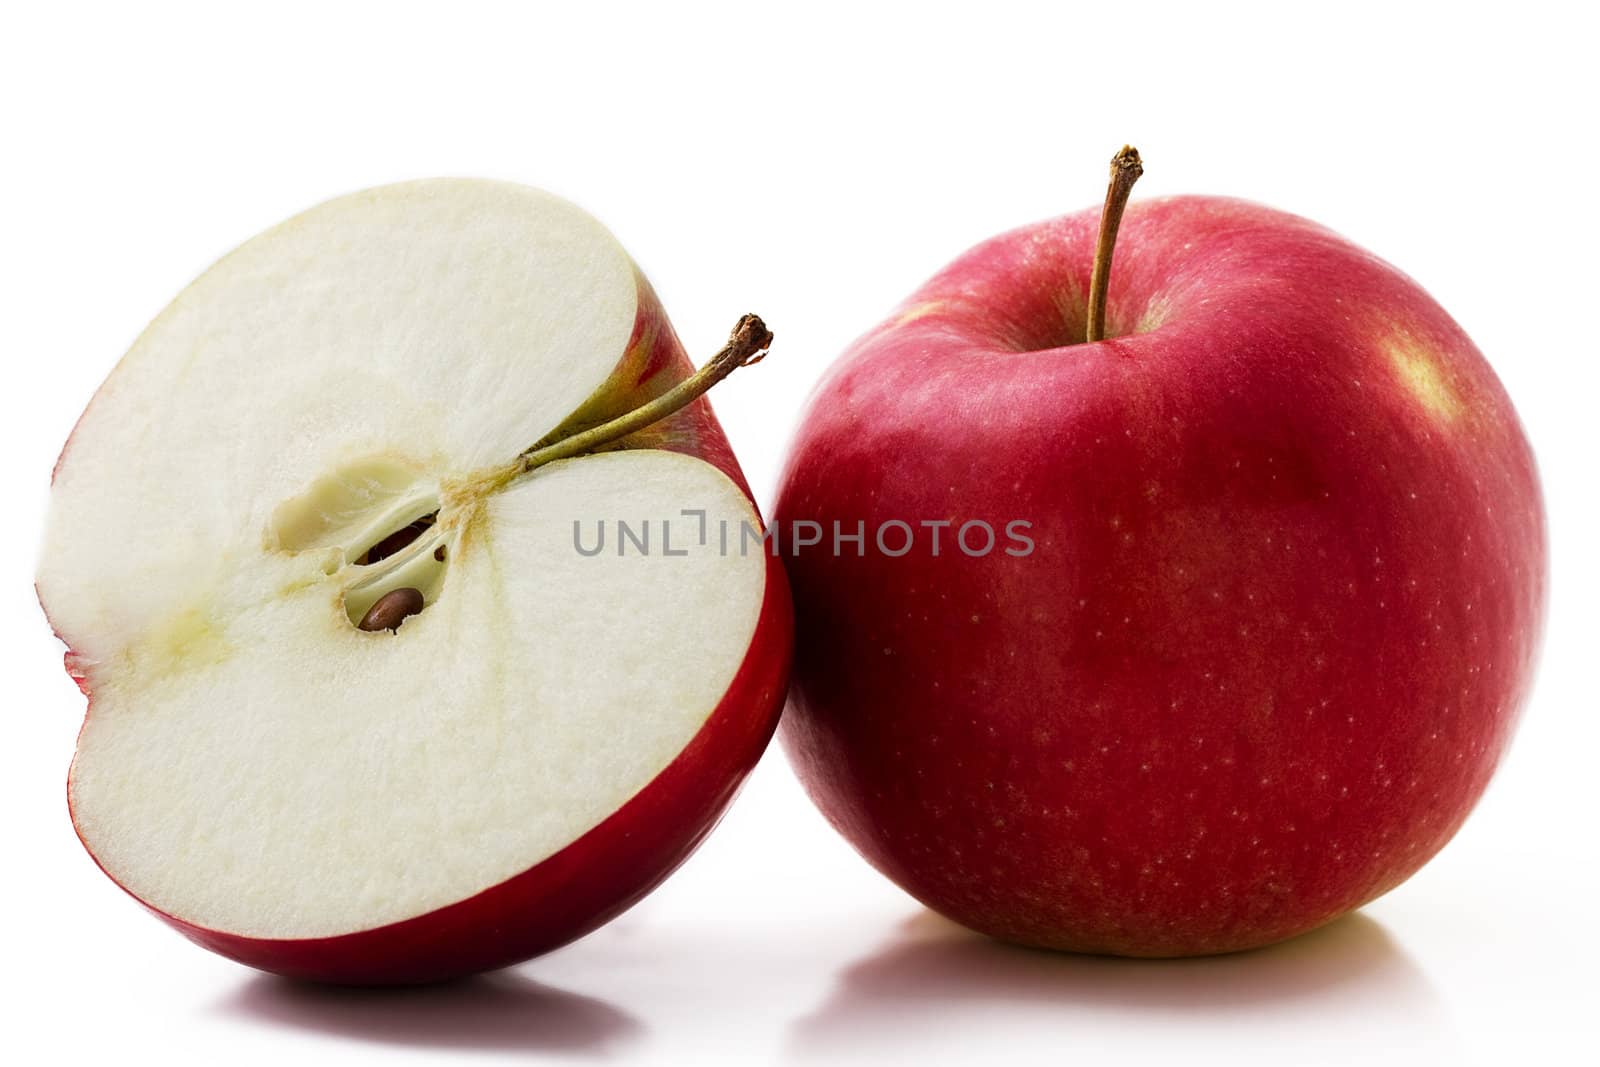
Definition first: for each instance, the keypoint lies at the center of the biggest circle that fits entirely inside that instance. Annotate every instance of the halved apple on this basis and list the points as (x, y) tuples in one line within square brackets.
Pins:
[(365, 704)]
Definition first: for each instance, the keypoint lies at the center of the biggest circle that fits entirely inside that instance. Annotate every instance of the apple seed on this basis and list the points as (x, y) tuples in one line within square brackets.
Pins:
[(391, 609)]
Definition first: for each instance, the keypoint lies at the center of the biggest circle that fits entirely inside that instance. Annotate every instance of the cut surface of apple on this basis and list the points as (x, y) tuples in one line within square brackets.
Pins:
[(326, 417)]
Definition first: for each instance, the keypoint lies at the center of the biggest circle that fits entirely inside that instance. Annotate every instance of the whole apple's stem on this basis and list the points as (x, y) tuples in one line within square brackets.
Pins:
[(1125, 170), (747, 344)]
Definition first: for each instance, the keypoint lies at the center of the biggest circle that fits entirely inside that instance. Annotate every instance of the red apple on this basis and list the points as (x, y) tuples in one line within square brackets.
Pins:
[(1276, 621), (363, 706)]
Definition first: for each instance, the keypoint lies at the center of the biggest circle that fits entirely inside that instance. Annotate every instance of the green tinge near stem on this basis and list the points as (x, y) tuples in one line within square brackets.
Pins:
[(747, 344)]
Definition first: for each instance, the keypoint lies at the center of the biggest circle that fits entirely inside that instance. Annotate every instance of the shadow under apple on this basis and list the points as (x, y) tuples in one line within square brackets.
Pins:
[(500, 1012), (935, 982)]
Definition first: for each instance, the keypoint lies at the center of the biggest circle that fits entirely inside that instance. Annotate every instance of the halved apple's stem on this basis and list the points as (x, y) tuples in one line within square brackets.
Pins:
[(402, 568), (747, 344), (1125, 170)]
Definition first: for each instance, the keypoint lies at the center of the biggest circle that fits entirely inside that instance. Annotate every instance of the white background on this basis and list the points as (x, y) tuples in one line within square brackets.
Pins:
[(814, 168)]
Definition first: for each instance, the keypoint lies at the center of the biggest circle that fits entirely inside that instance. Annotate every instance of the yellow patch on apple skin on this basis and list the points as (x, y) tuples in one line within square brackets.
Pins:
[(1155, 313), (917, 311), (1072, 305), (1419, 371)]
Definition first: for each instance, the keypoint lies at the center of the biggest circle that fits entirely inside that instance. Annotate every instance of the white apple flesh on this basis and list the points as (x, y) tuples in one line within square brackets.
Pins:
[(507, 767)]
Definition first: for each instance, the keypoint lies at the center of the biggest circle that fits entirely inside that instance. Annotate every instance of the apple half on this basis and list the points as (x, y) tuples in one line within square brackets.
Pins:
[(338, 414)]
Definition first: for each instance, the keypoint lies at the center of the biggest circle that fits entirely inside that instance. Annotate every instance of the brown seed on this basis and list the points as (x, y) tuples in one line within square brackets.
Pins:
[(396, 541), (438, 553), (391, 609)]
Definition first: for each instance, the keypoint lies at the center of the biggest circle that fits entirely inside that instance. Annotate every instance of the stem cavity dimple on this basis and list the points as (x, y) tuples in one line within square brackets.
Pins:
[(1126, 167)]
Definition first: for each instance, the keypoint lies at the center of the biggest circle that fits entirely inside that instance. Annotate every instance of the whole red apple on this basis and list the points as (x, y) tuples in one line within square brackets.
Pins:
[(1268, 628)]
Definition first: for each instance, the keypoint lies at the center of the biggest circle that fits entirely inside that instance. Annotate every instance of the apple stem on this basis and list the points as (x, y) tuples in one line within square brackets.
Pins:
[(747, 344), (1125, 170)]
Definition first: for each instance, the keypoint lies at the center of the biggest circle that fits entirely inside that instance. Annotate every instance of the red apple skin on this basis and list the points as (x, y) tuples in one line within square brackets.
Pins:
[(618, 862), (1279, 621)]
